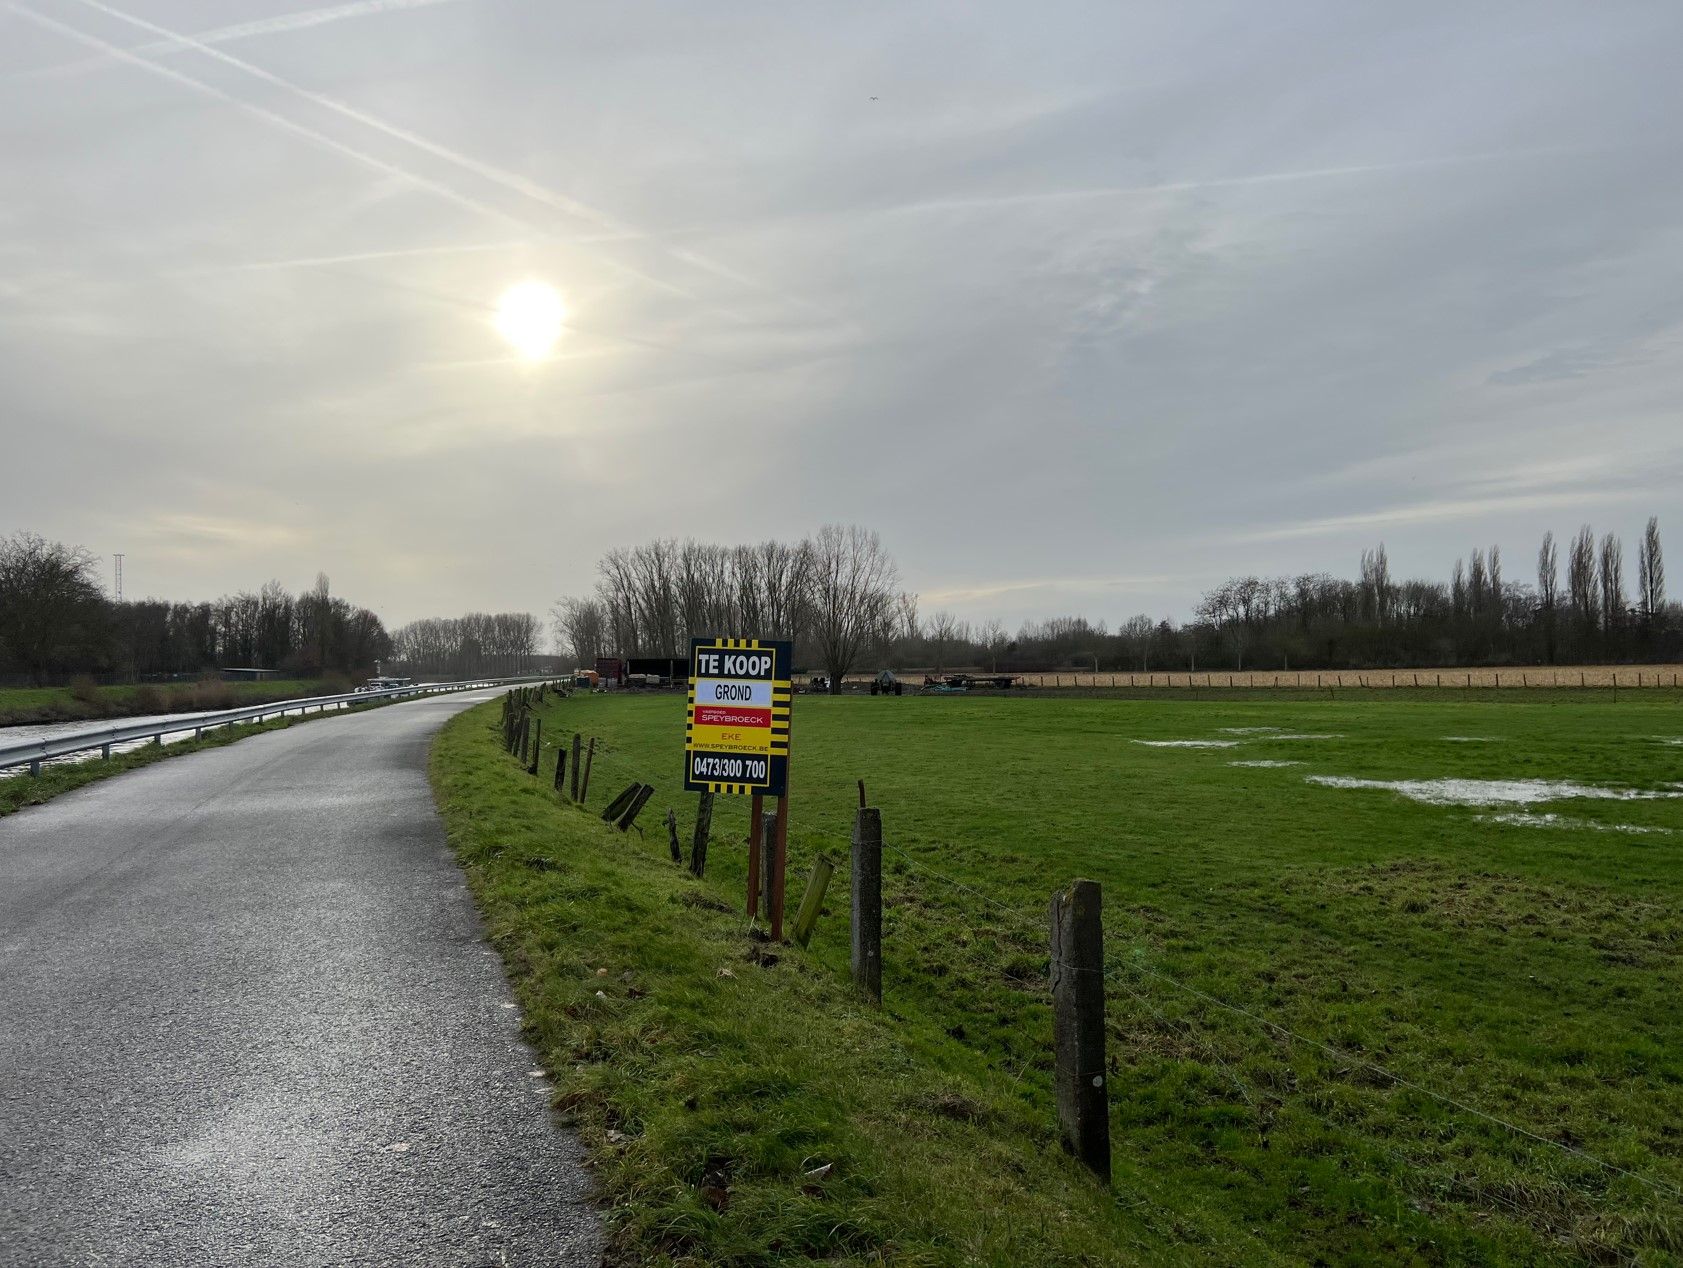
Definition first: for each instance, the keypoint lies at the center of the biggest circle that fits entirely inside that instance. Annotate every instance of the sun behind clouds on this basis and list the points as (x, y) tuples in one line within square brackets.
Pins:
[(531, 316)]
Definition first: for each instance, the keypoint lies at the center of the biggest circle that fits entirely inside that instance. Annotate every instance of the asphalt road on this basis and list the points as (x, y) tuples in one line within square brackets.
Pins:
[(247, 1016)]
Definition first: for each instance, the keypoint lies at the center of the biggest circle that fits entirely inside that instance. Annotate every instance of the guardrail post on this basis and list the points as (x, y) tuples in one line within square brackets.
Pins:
[(1077, 946)]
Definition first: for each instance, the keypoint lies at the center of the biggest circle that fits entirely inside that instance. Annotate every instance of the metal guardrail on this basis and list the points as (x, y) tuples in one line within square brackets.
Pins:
[(34, 752)]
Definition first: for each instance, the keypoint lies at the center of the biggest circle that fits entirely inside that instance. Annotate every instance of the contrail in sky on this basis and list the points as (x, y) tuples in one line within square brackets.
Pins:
[(984, 201), (318, 138), (277, 25), (512, 181), (259, 112)]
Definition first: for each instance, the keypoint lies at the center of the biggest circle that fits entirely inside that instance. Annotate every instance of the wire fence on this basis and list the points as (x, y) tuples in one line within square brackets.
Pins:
[(1127, 969)]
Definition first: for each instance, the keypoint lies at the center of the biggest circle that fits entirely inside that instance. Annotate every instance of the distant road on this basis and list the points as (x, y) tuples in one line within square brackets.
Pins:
[(247, 1017)]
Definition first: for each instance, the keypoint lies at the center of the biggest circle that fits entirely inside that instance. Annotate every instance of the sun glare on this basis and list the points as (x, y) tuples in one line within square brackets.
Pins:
[(530, 316)]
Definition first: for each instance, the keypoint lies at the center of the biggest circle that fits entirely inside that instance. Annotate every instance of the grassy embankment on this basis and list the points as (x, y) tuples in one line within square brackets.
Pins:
[(20, 706), (1529, 970)]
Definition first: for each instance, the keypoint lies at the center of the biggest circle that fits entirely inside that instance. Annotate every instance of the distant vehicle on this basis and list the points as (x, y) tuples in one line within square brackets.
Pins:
[(385, 684)]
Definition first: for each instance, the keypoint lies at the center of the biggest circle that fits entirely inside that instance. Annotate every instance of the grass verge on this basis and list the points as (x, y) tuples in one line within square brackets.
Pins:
[(21, 706), (741, 1106), (1527, 965)]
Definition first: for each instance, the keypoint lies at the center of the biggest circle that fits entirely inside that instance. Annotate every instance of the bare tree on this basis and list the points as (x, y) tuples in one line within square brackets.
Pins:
[(1581, 583), (940, 633), (51, 607), (1650, 573), (1612, 577), (994, 641), (1548, 592), (852, 588), (1477, 583), (1493, 568), (581, 626)]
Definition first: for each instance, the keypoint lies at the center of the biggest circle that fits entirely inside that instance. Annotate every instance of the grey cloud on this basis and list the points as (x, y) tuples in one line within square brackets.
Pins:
[(1092, 305)]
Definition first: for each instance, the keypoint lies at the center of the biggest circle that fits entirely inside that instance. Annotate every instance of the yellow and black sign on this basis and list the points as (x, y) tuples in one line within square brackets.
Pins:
[(736, 737)]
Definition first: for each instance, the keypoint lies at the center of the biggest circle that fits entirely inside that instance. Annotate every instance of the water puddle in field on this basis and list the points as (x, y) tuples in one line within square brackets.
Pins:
[(1295, 736), (1189, 743), (1249, 730), (1491, 792), (1473, 739), (1264, 761), (1524, 819), (1676, 741)]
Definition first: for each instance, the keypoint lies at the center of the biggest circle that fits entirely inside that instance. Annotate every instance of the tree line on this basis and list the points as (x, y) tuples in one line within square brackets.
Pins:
[(837, 596), (1584, 606), (488, 643), (56, 620)]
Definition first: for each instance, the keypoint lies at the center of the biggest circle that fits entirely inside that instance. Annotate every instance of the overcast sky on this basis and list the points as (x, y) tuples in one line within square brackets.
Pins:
[(1083, 307)]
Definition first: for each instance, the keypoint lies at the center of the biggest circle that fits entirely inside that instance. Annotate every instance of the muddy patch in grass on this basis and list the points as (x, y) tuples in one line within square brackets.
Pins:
[(1613, 922)]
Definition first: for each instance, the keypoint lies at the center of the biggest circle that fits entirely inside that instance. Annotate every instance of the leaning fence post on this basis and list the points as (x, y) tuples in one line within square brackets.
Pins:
[(1077, 946), (537, 745), (703, 830), (672, 835), (589, 760), (560, 769), (867, 902), (813, 900), (635, 808), (575, 785)]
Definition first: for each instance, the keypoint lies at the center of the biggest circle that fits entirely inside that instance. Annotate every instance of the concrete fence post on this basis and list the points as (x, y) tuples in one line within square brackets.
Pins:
[(1077, 953)]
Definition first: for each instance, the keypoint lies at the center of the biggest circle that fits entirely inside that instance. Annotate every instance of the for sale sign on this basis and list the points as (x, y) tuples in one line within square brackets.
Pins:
[(736, 737)]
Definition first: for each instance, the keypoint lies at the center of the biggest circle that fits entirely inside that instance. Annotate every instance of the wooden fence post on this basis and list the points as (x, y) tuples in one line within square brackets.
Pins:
[(754, 834), (779, 863), (617, 805), (867, 903), (703, 830), (636, 807), (768, 859), (672, 835), (575, 784), (589, 759), (812, 902), (560, 769), (537, 745), (1077, 945)]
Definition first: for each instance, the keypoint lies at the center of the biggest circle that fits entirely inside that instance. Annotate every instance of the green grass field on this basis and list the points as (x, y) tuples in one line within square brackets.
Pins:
[(1395, 958), (23, 705)]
